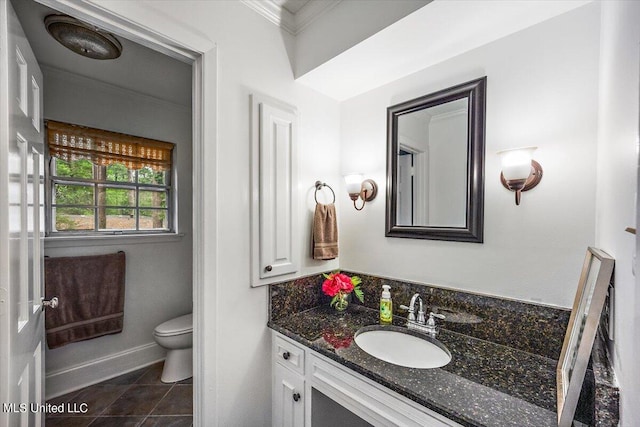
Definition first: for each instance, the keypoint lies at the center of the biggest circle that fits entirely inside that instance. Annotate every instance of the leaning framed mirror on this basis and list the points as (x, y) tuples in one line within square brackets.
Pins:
[(581, 332), (435, 165)]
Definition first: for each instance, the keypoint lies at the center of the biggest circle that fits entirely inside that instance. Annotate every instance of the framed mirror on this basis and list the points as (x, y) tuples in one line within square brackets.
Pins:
[(435, 165), (581, 331)]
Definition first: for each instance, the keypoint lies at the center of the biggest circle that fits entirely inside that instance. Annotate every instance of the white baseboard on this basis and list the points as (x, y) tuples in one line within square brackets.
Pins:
[(66, 380)]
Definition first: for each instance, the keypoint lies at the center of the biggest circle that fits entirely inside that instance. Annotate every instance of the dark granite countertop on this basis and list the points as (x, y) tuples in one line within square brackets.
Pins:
[(485, 384)]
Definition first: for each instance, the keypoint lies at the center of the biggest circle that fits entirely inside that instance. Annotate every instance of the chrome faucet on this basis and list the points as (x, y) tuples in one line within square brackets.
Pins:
[(418, 322), (412, 309)]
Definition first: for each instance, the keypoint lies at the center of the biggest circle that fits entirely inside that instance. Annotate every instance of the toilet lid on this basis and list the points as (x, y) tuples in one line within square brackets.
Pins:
[(176, 326)]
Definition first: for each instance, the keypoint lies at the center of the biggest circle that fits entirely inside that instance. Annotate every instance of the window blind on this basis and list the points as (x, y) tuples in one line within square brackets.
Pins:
[(70, 142)]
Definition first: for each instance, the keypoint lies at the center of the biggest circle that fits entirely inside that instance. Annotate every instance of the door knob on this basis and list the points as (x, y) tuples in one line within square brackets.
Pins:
[(51, 303)]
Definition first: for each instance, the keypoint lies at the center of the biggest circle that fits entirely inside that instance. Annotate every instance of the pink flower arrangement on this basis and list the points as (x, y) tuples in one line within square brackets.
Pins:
[(338, 286)]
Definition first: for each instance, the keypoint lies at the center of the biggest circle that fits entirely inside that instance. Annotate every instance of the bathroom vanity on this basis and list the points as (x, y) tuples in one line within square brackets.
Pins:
[(502, 371), (485, 384)]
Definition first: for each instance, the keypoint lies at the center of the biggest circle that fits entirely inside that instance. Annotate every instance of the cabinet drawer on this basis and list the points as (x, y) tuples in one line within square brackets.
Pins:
[(288, 354)]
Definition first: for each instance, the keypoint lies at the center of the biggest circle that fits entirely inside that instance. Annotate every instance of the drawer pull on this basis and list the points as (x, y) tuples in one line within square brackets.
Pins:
[(268, 268), (286, 355), (296, 396)]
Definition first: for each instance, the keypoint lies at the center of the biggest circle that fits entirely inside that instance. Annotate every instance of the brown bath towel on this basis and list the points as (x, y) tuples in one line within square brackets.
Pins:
[(91, 294), (325, 232)]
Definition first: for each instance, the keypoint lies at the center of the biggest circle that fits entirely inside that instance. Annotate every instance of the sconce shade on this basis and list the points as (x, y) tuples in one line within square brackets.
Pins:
[(516, 163), (354, 183)]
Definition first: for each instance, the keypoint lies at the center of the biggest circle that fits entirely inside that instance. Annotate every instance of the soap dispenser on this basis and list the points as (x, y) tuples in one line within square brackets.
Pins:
[(386, 306)]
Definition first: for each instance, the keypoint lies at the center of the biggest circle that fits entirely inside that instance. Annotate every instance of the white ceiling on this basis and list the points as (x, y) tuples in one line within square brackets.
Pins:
[(432, 34), (138, 68)]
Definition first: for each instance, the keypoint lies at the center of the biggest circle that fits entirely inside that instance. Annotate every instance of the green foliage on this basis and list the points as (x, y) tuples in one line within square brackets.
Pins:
[(359, 294), (75, 195), (76, 169), (335, 299), (149, 176), (108, 197), (119, 173)]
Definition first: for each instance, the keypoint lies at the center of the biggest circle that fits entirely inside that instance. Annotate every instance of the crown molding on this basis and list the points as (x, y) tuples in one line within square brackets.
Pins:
[(291, 23), (274, 14)]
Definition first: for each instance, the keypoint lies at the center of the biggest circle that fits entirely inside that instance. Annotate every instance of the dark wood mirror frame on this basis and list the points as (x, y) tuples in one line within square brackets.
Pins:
[(473, 231)]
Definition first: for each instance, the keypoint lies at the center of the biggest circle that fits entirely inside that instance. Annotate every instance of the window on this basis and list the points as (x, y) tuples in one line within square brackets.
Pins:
[(101, 182)]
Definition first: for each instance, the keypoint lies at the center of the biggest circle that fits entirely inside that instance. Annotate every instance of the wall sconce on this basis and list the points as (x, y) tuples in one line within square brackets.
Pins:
[(519, 171), (359, 188)]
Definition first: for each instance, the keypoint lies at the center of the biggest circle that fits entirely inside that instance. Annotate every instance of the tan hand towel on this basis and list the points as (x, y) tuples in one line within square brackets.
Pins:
[(325, 232)]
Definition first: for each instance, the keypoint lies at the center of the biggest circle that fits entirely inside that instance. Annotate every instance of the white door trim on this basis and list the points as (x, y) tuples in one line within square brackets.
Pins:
[(192, 48)]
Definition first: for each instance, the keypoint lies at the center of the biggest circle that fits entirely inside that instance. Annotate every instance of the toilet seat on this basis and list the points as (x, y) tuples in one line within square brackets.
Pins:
[(179, 325)]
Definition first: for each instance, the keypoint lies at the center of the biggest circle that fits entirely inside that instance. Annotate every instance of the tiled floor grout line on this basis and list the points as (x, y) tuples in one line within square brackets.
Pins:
[(113, 401), (149, 378), (118, 397), (152, 409)]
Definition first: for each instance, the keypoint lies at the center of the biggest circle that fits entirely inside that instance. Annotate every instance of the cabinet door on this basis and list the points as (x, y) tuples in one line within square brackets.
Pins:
[(274, 189), (288, 399)]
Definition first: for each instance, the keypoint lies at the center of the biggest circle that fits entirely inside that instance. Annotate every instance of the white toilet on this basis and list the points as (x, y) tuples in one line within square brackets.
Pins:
[(176, 335)]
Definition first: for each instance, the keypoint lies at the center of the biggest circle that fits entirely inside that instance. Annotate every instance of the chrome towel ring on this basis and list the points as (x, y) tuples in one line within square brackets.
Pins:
[(319, 186)]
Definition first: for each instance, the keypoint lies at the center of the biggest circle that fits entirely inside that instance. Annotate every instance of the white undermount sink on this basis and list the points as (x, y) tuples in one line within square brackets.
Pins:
[(401, 347)]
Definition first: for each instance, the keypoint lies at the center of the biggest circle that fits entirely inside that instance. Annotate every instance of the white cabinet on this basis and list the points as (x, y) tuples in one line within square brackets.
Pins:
[(288, 389), (298, 368), (274, 238), (288, 399)]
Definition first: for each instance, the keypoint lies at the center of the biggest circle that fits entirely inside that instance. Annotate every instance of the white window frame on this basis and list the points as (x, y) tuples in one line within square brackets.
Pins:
[(51, 179)]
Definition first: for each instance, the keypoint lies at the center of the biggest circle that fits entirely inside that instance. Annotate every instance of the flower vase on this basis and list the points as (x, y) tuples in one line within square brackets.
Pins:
[(342, 302)]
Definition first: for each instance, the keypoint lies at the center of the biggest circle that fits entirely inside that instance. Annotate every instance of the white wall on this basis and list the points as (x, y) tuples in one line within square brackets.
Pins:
[(158, 279), (541, 90), (252, 56), (616, 186)]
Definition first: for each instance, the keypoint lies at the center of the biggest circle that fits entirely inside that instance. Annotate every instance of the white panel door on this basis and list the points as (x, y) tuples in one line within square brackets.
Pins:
[(21, 227), (277, 193)]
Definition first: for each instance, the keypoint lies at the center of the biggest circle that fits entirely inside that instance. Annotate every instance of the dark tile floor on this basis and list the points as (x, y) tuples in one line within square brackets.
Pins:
[(138, 398)]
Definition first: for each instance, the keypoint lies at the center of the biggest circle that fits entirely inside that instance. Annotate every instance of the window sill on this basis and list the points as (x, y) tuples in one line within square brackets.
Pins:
[(79, 241)]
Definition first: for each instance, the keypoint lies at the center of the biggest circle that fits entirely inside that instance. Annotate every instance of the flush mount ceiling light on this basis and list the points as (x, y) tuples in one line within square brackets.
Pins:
[(83, 39)]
